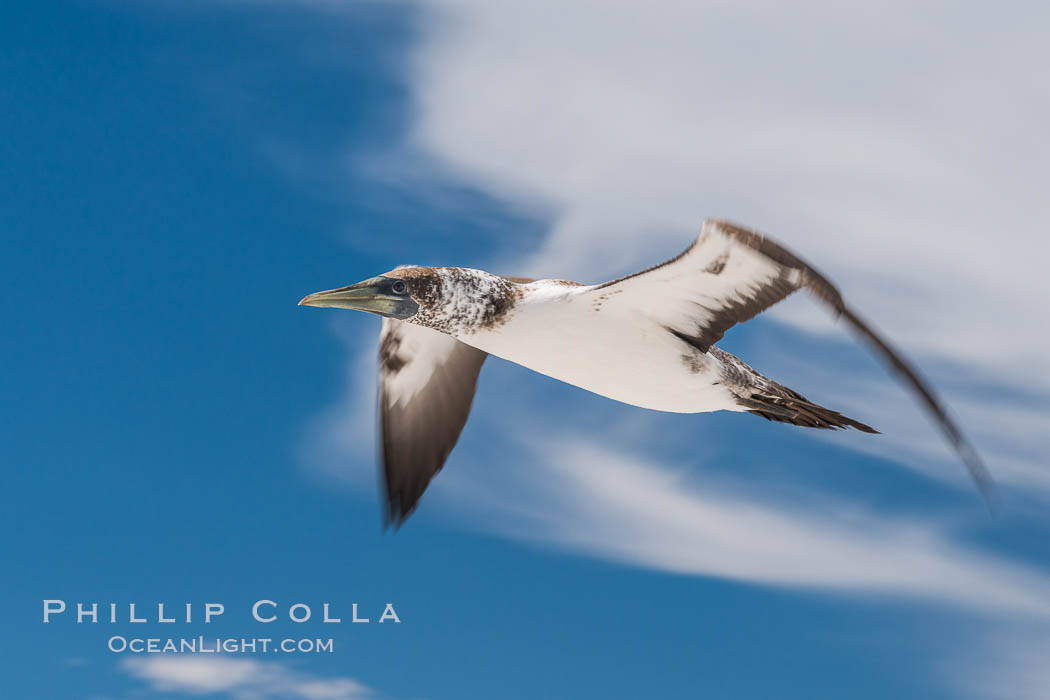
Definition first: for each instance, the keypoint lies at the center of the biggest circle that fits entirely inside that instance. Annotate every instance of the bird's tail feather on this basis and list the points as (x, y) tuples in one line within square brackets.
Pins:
[(772, 400), (795, 409)]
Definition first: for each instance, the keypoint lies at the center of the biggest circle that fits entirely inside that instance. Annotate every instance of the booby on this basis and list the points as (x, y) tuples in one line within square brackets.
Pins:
[(647, 339)]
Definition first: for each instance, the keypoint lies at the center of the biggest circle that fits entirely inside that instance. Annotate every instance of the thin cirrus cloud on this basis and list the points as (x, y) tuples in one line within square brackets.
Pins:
[(1005, 666), (241, 679), (1005, 424), (639, 511), (900, 147)]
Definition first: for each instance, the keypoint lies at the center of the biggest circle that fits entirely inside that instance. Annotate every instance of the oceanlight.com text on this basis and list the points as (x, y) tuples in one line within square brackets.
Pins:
[(219, 645)]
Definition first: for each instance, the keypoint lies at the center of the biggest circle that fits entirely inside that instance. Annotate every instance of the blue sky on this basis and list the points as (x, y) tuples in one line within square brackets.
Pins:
[(176, 430)]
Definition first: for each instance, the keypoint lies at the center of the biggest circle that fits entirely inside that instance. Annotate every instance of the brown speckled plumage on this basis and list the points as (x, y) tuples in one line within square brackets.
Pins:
[(459, 301), (389, 359)]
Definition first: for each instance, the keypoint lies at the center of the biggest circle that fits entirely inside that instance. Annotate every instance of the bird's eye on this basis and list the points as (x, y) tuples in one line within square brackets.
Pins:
[(399, 287)]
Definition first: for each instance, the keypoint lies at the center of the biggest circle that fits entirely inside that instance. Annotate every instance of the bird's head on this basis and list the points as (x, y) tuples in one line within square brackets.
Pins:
[(394, 295), (450, 299)]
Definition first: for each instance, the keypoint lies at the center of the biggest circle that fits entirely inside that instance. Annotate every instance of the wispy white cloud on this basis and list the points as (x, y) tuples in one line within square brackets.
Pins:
[(905, 161), (1004, 422), (1004, 665), (1009, 430), (632, 509), (239, 678)]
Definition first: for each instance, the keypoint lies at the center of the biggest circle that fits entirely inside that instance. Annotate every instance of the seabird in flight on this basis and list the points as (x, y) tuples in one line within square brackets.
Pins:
[(647, 339)]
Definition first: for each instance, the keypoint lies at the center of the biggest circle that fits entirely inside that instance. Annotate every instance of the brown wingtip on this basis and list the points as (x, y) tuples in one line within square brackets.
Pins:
[(982, 478), (394, 516), (391, 524)]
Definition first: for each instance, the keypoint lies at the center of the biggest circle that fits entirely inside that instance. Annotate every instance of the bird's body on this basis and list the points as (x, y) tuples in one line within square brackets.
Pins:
[(558, 329), (647, 340)]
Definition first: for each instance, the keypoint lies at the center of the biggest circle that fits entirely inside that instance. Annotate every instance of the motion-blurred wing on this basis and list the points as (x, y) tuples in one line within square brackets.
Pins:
[(729, 275), (426, 385)]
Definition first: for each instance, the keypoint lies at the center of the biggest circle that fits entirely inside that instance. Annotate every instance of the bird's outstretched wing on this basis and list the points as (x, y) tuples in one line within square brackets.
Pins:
[(426, 385), (731, 274)]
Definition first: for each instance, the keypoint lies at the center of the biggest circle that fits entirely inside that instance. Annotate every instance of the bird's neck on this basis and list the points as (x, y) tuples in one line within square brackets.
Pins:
[(466, 301)]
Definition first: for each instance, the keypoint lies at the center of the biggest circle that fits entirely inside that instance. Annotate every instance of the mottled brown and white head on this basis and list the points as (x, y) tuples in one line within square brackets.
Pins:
[(454, 300)]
